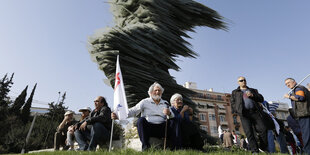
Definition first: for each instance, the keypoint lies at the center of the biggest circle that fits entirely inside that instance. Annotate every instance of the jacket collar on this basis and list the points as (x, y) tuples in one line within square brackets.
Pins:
[(240, 89)]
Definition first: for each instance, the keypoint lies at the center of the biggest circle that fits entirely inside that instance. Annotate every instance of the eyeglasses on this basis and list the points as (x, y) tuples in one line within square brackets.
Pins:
[(96, 101), (243, 80)]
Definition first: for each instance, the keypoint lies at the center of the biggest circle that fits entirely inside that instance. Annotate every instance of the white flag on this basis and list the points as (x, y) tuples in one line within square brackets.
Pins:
[(120, 101)]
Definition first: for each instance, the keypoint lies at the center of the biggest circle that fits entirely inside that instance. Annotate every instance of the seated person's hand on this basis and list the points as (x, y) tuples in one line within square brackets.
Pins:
[(166, 111), (75, 127), (191, 111), (71, 129), (114, 116), (67, 119), (83, 126), (185, 108)]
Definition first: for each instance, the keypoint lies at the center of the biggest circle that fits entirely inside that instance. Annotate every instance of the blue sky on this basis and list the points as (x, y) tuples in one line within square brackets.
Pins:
[(45, 42)]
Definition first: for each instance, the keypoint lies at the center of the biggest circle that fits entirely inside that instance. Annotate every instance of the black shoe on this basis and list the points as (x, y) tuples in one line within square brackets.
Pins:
[(66, 147)]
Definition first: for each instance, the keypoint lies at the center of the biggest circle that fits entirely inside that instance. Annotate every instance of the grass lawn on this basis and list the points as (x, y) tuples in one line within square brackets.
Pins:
[(209, 151)]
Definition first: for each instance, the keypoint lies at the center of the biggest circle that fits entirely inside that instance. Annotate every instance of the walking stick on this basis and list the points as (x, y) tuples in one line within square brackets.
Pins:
[(165, 140), (166, 126), (111, 135)]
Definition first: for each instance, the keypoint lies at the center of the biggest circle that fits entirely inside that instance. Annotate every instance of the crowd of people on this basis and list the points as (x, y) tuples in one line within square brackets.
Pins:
[(175, 123), (158, 119), (248, 104)]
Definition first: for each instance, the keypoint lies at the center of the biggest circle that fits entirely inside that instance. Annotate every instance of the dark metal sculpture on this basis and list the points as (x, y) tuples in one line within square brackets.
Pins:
[(148, 37)]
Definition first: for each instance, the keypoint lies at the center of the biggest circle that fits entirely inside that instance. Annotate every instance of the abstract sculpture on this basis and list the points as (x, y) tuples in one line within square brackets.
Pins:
[(148, 36)]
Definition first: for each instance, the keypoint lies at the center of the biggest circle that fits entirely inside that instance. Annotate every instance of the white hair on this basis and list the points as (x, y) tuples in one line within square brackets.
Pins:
[(175, 96), (152, 88)]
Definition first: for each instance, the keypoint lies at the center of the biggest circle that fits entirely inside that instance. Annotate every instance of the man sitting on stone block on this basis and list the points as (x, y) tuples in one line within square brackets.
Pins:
[(96, 128), (61, 133), (154, 113)]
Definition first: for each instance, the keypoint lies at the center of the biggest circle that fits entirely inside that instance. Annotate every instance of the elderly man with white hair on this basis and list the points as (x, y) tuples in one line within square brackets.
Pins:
[(154, 112)]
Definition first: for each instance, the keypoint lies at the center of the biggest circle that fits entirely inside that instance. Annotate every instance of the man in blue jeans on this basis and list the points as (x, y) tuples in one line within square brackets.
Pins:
[(300, 100), (96, 128)]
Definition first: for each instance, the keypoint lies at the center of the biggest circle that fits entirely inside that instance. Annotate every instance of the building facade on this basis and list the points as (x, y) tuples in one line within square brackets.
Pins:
[(282, 110), (214, 110)]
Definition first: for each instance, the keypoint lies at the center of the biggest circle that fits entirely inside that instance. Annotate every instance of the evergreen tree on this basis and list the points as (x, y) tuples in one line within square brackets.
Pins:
[(26, 109), (57, 111), (5, 85), (54, 118), (19, 102)]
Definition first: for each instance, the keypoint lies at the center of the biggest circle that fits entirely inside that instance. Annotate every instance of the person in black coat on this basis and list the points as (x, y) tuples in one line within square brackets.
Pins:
[(245, 103), (96, 128)]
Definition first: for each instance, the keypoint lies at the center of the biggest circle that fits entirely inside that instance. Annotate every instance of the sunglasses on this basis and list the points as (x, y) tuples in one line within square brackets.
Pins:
[(242, 80)]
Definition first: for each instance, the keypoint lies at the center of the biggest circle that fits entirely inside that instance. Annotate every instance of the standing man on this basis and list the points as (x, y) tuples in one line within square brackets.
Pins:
[(154, 112), (300, 100), (244, 102), (96, 128)]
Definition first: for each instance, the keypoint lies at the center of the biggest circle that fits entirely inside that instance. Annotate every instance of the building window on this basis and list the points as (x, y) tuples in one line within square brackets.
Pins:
[(209, 96), (283, 115), (212, 117), (201, 106), (219, 97), (202, 117), (203, 127), (210, 106), (213, 129), (221, 107), (235, 119), (222, 118)]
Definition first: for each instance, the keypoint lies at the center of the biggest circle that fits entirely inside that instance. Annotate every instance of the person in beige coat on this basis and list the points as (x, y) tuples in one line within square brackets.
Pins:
[(228, 139)]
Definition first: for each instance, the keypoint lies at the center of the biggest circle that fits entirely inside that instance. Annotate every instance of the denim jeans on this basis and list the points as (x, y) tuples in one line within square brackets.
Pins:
[(96, 135), (282, 142), (70, 139), (304, 123), (271, 145)]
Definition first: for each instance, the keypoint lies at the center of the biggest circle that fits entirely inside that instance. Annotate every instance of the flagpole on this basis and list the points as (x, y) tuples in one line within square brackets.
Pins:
[(111, 135), (120, 106)]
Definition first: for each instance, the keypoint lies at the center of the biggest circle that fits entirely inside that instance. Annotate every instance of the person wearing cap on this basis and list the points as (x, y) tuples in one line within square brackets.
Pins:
[(70, 134), (61, 131), (96, 127)]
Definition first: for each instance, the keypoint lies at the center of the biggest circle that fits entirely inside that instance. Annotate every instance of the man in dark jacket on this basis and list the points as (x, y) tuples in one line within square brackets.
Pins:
[(300, 100), (245, 102), (96, 128)]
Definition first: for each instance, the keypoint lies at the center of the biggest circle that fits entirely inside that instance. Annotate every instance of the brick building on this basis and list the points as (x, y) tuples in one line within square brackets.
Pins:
[(214, 110)]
